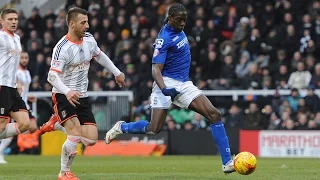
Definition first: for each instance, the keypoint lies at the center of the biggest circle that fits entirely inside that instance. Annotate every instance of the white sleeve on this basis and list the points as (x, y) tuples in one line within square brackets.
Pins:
[(58, 61), (96, 49), (105, 61), (59, 58), (55, 81)]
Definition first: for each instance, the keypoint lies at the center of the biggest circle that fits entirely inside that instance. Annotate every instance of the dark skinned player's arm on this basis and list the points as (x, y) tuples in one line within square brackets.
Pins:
[(157, 75)]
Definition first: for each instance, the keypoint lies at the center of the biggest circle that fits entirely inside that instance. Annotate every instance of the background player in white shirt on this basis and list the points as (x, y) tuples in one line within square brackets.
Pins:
[(69, 77), (11, 103), (23, 83)]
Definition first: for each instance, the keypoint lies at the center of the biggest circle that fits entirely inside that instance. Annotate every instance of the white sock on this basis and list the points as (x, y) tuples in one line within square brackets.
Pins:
[(10, 130), (57, 126), (68, 152), (4, 144)]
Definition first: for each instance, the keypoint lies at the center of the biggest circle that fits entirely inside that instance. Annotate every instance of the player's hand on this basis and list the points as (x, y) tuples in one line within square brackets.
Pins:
[(172, 92), (19, 89), (120, 80), (73, 97)]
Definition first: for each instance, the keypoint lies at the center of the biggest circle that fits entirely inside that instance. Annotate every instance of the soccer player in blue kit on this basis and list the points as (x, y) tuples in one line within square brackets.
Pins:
[(170, 70)]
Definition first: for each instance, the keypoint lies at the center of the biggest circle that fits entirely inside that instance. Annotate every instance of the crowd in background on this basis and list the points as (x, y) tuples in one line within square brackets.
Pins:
[(235, 44)]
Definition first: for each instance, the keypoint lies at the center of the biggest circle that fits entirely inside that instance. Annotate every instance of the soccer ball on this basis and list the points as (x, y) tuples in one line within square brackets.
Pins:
[(245, 163)]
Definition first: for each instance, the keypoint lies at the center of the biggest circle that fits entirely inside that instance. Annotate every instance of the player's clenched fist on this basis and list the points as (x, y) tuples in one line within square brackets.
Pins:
[(73, 97), (120, 80)]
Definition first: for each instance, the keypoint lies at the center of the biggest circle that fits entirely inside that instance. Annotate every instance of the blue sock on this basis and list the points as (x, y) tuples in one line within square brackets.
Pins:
[(135, 127), (221, 138)]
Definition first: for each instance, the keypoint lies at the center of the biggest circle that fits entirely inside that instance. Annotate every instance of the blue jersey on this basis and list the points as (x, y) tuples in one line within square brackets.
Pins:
[(172, 50)]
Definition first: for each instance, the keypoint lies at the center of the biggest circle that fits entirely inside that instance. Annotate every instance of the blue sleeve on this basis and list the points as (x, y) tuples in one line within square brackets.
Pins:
[(161, 47)]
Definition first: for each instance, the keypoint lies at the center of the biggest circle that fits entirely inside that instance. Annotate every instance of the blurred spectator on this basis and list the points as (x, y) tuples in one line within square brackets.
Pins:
[(252, 79), (199, 122), (229, 23), (301, 78), (241, 33), (254, 43), (289, 125), (234, 117), (274, 123), (211, 66), (188, 125), (312, 125), (312, 100), (293, 100), (171, 125), (267, 113), (315, 80), (242, 69), (253, 118), (125, 44), (302, 122)]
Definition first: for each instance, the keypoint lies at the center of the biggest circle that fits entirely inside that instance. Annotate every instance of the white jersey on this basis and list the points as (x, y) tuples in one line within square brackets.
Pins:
[(10, 50), (72, 62), (24, 78)]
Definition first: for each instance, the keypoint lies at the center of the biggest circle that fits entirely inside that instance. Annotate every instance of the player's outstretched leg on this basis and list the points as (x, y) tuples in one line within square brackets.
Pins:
[(203, 106), (139, 127), (3, 145), (51, 125), (158, 117)]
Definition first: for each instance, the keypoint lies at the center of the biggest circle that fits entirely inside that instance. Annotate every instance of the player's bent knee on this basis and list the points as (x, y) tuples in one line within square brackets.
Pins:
[(3, 124), (88, 142), (23, 125), (33, 126), (214, 115)]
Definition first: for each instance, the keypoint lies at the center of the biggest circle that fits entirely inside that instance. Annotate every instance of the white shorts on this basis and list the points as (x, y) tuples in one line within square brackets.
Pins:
[(188, 92)]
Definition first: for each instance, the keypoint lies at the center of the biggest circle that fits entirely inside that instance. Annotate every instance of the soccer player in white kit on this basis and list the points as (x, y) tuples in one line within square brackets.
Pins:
[(23, 84), (69, 77), (11, 103)]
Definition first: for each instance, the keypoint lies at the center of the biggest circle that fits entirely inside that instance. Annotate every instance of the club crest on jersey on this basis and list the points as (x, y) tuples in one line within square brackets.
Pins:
[(158, 43), (155, 53), (2, 111)]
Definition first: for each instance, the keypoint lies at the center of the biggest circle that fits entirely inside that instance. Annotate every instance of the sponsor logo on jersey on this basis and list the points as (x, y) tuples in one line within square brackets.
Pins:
[(14, 52), (182, 43), (176, 38), (84, 65)]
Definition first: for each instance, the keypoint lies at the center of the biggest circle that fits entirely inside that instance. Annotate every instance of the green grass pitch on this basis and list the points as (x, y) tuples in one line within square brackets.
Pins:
[(146, 168)]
